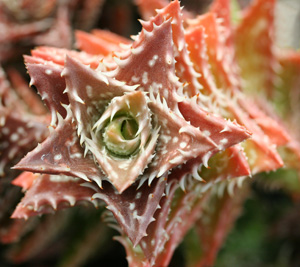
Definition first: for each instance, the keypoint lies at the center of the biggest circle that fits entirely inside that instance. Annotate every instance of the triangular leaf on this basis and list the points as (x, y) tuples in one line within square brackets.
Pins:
[(51, 192), (61, 153), (135, 207)]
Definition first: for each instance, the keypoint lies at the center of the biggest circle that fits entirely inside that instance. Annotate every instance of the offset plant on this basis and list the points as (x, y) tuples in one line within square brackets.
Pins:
[(25, 23), (160, 129)]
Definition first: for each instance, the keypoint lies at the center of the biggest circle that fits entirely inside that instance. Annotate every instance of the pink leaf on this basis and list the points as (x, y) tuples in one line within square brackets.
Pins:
[(61, 153), (51, 192)]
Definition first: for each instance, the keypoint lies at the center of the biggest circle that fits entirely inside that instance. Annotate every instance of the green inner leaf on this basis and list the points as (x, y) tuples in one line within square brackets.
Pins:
[(120, 137), (129, 128)]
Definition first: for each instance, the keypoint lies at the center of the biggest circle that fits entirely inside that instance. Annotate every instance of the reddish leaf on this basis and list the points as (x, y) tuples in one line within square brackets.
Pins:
[(18, 135), (272, 128), (228, 106), (61, 153), (151, 63), (135, 207), (111, 37), (57, 55), (221, 59), (225, 165), (50, 85), (256, 58), (51, 192), (96, 45), (216, 221), (25, 180)]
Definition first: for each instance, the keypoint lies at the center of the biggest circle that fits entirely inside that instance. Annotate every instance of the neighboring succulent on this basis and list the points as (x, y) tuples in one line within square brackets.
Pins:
[(164, 129), (26, 23), (23, 124)]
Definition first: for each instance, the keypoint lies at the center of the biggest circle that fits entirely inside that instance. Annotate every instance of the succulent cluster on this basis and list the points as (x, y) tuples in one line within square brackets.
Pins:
[(161, 132)]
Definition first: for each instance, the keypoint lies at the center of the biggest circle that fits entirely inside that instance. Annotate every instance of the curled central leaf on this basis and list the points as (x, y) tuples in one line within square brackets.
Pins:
[(120, 136), (129, 128), (124, 139)]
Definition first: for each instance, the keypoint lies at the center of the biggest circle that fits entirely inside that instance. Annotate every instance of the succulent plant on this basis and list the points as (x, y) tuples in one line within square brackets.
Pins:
[(164, 130), (26, 23)]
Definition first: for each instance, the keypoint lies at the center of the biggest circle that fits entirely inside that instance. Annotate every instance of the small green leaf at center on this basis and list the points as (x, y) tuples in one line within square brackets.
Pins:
[(119, 136), (129, 128)]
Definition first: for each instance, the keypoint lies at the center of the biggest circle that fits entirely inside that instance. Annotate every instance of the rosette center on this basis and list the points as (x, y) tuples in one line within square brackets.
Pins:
[(120, 136), (124, 139)]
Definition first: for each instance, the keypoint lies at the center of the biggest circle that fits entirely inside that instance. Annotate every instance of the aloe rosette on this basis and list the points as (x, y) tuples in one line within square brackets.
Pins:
[(130, 134), (158, 128)]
